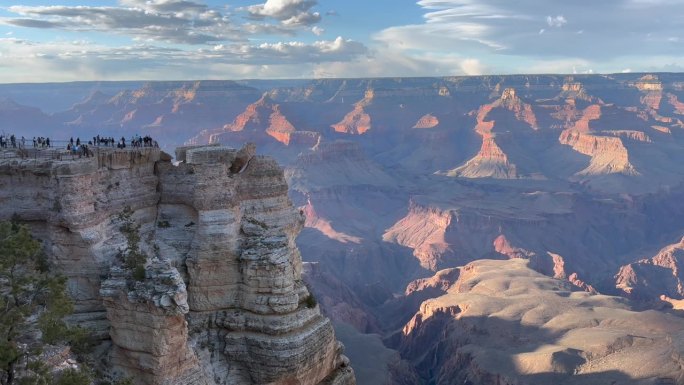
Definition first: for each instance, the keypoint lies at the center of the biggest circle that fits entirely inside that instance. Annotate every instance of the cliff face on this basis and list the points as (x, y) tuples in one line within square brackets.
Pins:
[(650, 278), (222, 301)]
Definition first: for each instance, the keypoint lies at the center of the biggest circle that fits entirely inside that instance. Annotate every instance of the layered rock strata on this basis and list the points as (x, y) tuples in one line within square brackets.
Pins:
[(222, 301)]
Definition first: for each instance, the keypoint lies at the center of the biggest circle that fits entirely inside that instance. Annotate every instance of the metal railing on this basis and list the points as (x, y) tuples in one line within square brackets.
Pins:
[(58, 151)]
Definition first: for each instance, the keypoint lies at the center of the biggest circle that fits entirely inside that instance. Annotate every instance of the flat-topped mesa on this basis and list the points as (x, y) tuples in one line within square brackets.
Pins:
[(648, 83), (573, 90), (652, 88), (608, 153), (222, 301)]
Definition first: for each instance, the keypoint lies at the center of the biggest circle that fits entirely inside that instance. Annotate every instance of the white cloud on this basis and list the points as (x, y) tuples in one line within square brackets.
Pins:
[(556, 21), (78, 60), (318, 31), (288, 12), (169, 21), (472, 67), (287, 52), (510, 36)]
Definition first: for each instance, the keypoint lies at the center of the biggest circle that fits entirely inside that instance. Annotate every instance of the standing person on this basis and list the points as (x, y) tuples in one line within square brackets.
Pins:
[(23, 141), (47, 142), (78, 141), (35, 143)]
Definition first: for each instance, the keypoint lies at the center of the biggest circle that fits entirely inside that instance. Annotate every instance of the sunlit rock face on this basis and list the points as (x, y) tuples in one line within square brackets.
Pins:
[(500, 322), (222, 301)]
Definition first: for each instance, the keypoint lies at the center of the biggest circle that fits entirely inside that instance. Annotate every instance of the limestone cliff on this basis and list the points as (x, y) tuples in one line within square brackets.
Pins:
[(222, 300)]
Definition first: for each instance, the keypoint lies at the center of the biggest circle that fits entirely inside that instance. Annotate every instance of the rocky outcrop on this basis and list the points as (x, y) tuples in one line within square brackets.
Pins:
[(637, 136), (608, 154), (502, 323), (149, 331), (523, 111), (423, 229), (264, 113), (573, 90), (652, 90), (651, 278), (279, 127), (548, 263), (427, 121), (222, 300), (441, 281), (357, 121), (490, 162), (578, 120)]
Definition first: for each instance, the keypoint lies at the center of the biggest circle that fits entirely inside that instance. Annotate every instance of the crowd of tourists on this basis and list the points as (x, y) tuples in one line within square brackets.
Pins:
[(11, 141), (135, 141), (83, 149), (77, 146)]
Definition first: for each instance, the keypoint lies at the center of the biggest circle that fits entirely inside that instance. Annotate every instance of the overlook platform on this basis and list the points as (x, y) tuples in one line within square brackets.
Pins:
[(62, 161)]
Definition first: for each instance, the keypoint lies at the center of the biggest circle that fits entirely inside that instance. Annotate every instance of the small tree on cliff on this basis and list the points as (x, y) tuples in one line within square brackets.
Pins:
[(133, 258), (27, 290)]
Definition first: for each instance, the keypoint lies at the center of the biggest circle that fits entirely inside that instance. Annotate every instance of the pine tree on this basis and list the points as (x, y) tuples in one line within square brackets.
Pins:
[(28, 289)]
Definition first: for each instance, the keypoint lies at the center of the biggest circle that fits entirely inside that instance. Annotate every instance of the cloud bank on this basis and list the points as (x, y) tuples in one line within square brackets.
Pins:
[(161, 39)]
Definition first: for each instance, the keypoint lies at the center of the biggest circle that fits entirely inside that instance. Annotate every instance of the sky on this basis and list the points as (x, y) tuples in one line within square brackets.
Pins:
[(68, 40)]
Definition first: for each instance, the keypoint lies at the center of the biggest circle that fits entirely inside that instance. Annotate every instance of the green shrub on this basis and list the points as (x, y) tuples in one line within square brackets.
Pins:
[(310, 301), (74, 377)]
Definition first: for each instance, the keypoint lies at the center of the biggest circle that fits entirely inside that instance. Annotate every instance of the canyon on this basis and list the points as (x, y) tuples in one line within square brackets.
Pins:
[(570, 187)]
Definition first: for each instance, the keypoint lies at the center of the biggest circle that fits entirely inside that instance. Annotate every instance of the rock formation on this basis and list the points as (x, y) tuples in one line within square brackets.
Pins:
[(427, 121), (222, 300), (356, 121), (652, 90), (499, 322), (650, 278), (263, 112), (608, 154), (490, 162), (423, 229)]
